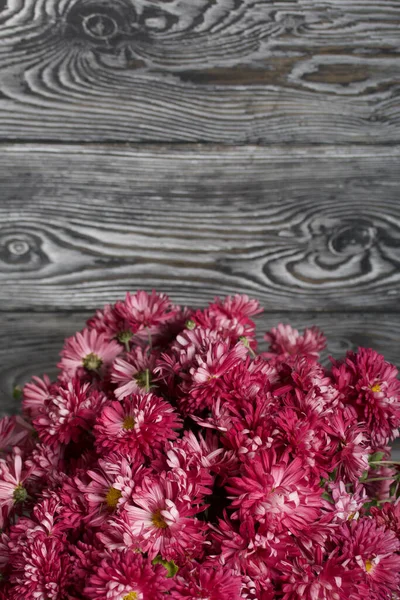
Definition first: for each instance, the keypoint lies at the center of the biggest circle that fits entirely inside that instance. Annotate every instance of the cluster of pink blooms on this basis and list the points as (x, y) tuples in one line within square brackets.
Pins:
[(172, 459)]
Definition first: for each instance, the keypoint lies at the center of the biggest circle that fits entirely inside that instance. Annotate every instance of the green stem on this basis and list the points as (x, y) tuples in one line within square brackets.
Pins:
[(378, 479), (147, 387), (385, 462)]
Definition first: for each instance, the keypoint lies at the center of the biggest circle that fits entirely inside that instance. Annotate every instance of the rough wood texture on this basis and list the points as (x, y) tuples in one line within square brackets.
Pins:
[(234, 71), (299, 229)]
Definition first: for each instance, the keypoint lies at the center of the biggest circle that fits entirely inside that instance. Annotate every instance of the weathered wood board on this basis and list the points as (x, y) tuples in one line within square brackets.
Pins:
[(299, 229), (233, 71)]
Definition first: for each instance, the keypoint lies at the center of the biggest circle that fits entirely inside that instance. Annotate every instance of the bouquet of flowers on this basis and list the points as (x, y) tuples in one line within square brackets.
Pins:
[(172, 459)]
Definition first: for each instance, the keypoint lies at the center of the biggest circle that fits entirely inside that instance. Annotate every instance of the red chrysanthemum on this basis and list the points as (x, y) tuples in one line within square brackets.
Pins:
[(275, 493), (207, 582), (127, 576), (140, 424), (369, 383)]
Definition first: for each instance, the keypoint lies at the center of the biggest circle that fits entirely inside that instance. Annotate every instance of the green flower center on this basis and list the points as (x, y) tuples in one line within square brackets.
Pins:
[(20, 494), (92, 362), (124, 337)]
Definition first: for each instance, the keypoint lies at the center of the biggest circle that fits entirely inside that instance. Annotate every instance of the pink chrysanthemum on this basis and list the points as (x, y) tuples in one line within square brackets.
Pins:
[(127, 576), (317, 577), (287, 343), (40, 570), (35, 395), (112, 324), (133, 374), (388, 515), (140, 424), (370, 384), (88, 351), (14, 431), (206, 375), (207, 582), (163, 518), (348, 505), (12, 482), (146, 313), (68, 412), (110, 487), (373, 552), (275, 493), (352, 450)]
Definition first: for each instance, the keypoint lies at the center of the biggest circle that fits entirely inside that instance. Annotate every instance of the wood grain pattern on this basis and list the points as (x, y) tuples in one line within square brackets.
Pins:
[(233, 71), (310, 228), (30, 344)]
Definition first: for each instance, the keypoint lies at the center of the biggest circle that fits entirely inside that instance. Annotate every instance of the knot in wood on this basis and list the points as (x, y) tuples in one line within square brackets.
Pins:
[(352, 238), (20, 251), (100, 26), (100, 22)]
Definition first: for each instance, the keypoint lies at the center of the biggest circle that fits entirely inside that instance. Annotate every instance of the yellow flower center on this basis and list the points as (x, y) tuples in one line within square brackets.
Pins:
[(369, 565), (376, 387), (112, 497), (128, 423), (91, 362), (130, 596), (158, 520)]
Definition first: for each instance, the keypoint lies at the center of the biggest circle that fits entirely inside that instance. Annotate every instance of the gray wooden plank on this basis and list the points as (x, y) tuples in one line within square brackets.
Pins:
[(30, 343), (270, 71), (314, 228)]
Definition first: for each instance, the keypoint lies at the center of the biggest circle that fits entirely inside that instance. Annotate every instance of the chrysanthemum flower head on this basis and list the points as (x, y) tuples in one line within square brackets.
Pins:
[(369, 383), (127, 576), (68, 412), (163, 516), (133, 374), (139, 424), (373, 552), (286, 343), (213, 582), (88, 352), (275, 493)]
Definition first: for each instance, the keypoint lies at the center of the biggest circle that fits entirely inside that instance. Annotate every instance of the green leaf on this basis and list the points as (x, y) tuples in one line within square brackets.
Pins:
[(364, 476), (375, 458), (332, 476), (171, 567), (327, 497), (17, 392)]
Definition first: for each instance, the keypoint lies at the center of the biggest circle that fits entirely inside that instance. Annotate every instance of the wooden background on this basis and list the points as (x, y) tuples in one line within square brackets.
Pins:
[(199, 147)]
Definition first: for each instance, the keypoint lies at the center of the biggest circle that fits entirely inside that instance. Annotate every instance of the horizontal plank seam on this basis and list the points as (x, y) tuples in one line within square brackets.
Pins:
[(87, 311), (4, 141)]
